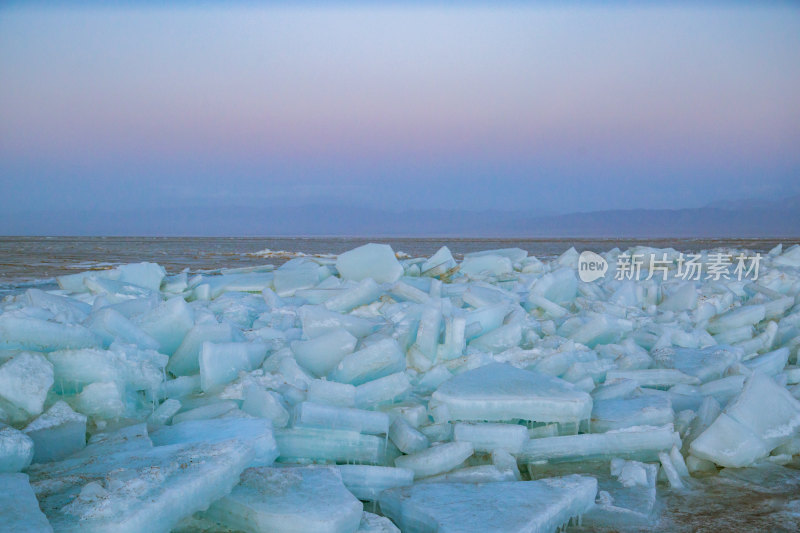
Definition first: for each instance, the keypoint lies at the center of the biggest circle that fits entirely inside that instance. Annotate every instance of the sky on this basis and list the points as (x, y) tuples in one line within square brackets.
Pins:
[(542, 107)]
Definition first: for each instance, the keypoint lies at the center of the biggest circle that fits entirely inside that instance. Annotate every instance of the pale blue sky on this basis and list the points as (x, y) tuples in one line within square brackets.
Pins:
[(488, 106)]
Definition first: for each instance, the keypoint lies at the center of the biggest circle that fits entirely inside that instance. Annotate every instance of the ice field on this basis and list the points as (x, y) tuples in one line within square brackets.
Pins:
[(375, 393)]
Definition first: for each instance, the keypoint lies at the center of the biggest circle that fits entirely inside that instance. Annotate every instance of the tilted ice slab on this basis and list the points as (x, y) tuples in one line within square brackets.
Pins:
[(146, 491), (309, 499), (510, 507), (761, 418), (500, 392), (19, 510), (256, 432), (706, 364)]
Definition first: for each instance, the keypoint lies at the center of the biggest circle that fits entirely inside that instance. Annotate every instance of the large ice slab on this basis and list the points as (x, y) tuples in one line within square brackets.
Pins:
[(148, 490), (19, 510), (516, 506), (309, 499), (500, 392), (376, 261)]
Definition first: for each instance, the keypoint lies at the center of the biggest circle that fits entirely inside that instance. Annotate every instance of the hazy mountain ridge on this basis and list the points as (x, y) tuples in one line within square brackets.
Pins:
[(757, 219)]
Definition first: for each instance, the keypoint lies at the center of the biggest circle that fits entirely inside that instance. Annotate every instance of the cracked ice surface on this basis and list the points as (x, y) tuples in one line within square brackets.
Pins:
[(375, 391)]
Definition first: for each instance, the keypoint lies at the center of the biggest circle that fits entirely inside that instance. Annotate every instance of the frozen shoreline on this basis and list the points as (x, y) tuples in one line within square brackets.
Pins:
[(418, 378)]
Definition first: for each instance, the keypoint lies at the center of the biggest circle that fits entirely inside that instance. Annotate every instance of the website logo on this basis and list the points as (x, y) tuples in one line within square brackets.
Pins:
[(591, 266)]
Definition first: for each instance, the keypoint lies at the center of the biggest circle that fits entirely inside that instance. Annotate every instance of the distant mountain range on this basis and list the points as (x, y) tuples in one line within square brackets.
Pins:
[(727, 219)]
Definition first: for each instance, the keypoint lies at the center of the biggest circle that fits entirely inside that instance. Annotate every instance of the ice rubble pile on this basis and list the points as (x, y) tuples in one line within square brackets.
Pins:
[(442, 394)]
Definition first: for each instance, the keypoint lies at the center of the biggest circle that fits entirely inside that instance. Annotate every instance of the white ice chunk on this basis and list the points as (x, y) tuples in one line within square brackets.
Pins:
[(19, 510), (331, 392), (185, 360), (321, 354), (140, 370), (64, 309), (309, 499), (57, 433), (728, 442), (101, 400), (538, 506), (705, 364), (372, 523), (112, 325), (761, 418), (212, 410), (654, 377), (289, 280), (310, 444), (436, 460), (641, 443), (18, 333), (644, 410), (314, 415), (768, 409), (382, 390), (407, 438), (265, 404), (492, 437), (746, 315), (366, 292), (491, 264), (220, 363), (438, 264), (147, 275), (375, 361), (317, 320), (25, 380), (366, 482), (376, 261), (168, 323), (164, 413), (500, 392), (16, 450)]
